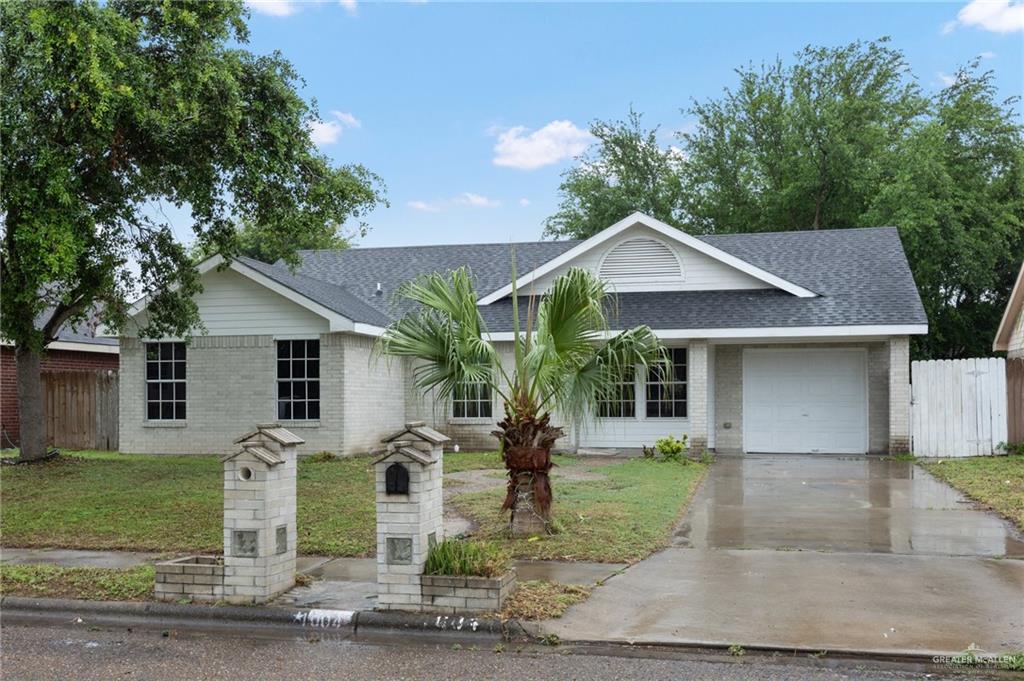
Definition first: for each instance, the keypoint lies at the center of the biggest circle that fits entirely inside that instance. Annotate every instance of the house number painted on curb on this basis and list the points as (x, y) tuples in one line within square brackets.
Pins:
[(324, 618)]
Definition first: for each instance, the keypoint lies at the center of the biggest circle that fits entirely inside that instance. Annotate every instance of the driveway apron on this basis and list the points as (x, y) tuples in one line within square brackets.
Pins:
[(820, 552)]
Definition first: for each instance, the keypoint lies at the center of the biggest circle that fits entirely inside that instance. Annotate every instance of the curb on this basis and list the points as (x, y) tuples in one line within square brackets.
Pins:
[(293, 618)]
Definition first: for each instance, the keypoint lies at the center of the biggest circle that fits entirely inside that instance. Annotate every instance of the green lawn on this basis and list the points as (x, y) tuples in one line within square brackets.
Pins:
[(996, 481), (623, 518), (172, 504), (92, 584)]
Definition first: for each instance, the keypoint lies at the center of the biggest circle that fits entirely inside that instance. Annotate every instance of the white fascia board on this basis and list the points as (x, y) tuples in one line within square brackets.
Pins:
[(367, 329), (853, 331), (665, 230), (75, 346), (84, 347), (1013, 308)]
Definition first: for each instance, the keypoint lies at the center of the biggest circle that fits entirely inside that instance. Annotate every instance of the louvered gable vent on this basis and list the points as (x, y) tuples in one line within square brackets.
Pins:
[(644, 259)]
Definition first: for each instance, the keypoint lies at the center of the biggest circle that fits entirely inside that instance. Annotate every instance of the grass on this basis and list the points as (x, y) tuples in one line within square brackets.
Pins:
[(462, 558), (173, 504), (94, 584), (995, 481), (541, 600), (623, 518)]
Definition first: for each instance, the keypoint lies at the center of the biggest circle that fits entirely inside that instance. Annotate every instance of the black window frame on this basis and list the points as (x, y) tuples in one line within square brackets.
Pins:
[(297, 388), (166, 395), (666, 393), (619, 403), (471, 399)]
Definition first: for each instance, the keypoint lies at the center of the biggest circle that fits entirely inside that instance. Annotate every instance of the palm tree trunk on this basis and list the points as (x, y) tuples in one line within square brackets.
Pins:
[(526, 443)]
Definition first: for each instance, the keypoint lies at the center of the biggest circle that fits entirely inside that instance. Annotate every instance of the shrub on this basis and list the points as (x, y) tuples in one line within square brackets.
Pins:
[(462, 558), (671, 448), (1012, 448)]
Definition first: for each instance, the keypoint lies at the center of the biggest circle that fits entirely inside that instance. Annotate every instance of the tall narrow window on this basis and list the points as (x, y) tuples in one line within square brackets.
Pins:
[(666, 391), (619, 403), (298, 380), (472, 400), (165, 381)]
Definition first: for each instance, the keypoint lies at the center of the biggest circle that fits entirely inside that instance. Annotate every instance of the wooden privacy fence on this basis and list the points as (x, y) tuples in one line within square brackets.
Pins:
[(80, 408), (958, 407), (1015, 399)]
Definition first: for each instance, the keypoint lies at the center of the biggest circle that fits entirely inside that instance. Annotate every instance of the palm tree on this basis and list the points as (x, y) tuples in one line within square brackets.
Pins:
[(565, 362)]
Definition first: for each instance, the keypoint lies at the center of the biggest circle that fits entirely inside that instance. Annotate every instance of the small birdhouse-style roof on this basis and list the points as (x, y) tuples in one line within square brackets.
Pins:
[(275, 432), (421, 431), (404, 449), (262, 453)]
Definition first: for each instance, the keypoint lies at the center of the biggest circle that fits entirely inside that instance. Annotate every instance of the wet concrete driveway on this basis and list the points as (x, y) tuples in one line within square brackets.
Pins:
[(820, 552)]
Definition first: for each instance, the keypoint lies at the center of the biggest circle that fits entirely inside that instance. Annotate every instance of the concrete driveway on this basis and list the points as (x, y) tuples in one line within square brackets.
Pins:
[(824, 553)]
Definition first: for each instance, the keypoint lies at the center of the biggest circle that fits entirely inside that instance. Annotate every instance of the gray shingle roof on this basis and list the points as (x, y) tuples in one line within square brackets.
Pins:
[(861, 275)]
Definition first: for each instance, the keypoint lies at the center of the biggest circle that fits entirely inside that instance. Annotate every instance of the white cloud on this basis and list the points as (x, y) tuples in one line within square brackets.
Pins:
[(423, 206), (275, 8), (471, 199), (351, 6), (464, 199), (998, 16), (347, 119), (524, 202), (558, 140), (324, 132), (946, 79), (987, 55), (328, 132)]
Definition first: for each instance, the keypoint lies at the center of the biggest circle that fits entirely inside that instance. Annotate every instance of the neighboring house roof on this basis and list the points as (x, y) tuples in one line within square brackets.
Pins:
[(1014, 308), (80, 338)]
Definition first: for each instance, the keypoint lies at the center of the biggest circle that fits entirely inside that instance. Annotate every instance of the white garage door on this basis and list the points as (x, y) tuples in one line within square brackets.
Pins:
[(805, 401)]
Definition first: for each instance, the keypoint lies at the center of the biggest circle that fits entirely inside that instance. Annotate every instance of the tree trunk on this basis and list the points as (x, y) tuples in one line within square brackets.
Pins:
[(30, 405), (526, 442), (527, 520)]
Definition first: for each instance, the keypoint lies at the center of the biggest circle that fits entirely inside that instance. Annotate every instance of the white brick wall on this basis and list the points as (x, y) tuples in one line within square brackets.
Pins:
[(231, 387), (697, 394)]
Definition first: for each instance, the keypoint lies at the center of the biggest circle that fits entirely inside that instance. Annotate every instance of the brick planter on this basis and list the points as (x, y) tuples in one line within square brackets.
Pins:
[(442, 593), (200, 578)]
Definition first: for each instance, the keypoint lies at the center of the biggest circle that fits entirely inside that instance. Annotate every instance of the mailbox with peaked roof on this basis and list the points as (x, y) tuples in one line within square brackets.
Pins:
[(259, 515), (409, 512)]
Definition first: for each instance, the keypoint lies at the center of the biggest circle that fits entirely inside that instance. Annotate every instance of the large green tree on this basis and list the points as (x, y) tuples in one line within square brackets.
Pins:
[(109, 109), (626, 170), (844, 137)]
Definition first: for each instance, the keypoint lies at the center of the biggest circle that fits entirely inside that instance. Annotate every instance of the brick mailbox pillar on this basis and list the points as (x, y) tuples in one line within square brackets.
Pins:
[(409, 512), (259, 515)]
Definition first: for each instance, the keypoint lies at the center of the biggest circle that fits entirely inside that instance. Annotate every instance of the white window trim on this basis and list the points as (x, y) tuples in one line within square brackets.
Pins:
[(640, 386), (473, 420)]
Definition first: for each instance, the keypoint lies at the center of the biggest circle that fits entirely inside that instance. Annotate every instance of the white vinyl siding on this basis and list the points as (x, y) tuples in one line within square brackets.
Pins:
[(231, 304), (1015, 346), (697, 272)]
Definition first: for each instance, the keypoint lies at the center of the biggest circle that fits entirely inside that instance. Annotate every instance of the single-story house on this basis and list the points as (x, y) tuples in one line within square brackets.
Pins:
[(1010, 336), (75, 349), (782, 342)]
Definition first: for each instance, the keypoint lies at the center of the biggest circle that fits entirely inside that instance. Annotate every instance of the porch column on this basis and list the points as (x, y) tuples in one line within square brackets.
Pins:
[(697, 395), (899, 394)]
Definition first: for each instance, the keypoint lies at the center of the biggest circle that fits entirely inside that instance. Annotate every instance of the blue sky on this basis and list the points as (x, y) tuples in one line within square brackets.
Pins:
[(470, 112)]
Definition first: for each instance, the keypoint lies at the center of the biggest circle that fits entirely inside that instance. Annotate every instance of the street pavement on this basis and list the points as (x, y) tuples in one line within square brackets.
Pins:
[(80, 653)]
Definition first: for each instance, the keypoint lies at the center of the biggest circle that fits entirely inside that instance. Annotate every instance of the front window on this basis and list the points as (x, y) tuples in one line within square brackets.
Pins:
[(298, 380), (666, 391), (620, 402), (471, 400), (165, 381)]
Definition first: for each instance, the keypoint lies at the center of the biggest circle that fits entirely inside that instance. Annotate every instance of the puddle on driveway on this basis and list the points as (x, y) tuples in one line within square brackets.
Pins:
[(839, 504)]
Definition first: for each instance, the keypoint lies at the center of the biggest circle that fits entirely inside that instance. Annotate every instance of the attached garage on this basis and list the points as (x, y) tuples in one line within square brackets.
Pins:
[(805, 401)]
